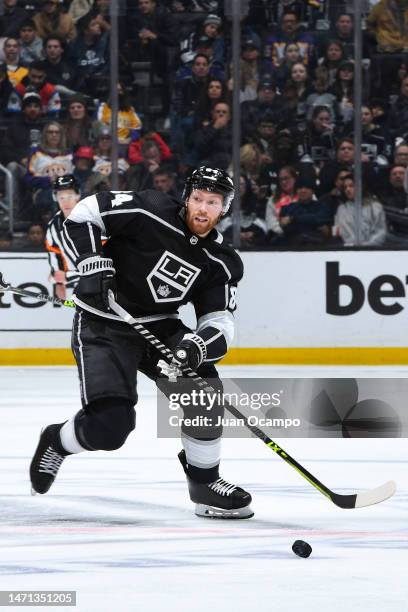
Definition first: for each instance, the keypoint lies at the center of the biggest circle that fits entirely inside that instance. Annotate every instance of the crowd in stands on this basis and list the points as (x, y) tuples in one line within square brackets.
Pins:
[(175, 110)]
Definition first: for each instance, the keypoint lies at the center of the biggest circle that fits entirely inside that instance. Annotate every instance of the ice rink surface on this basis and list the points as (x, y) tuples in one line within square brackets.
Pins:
[(119, 528)]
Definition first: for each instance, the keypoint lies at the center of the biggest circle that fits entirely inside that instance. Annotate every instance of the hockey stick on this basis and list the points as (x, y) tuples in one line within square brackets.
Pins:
[(41, 297), (356, 500)]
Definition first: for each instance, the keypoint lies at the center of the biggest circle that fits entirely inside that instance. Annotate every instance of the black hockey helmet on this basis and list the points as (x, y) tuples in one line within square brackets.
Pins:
[(67, 181), (211, 179)]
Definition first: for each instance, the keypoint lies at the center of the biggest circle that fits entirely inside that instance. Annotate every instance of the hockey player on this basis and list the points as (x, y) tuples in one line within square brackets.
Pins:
[(161, 254), (60, 255)]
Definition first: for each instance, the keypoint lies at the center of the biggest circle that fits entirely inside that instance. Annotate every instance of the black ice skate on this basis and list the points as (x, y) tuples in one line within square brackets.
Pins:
[(47, 460), (218, 499)]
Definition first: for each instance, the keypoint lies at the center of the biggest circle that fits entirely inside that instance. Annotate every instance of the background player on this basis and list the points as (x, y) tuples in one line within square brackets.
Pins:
[(161, 254), (60, 255)]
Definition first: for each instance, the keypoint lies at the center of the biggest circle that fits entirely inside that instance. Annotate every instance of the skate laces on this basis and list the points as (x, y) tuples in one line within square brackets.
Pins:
[(50, 462), (222, 487)]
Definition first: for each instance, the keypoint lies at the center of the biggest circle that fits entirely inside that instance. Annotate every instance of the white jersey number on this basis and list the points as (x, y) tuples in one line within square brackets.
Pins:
[(120, 197), (232, 304)]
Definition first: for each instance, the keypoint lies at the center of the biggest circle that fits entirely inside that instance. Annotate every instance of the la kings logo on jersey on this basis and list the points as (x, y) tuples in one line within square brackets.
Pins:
[(171, 278)]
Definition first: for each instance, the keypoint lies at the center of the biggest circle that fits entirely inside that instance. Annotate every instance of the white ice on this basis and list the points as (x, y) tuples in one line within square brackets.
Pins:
[(119, 527)]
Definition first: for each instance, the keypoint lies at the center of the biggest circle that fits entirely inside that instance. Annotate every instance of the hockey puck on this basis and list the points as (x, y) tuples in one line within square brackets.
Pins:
[(301, 549)]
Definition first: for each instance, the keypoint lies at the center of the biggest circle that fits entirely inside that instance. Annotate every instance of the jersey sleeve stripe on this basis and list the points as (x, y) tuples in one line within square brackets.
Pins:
[(126, 211), (91, 234), (68, 240)]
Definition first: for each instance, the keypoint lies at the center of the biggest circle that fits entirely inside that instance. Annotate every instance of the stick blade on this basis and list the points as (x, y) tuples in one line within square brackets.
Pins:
[(365, 498), (375, 496)]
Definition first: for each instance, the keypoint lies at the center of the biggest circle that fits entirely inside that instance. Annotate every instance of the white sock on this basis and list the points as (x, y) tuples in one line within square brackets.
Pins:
[(68, 438), (203, 454)]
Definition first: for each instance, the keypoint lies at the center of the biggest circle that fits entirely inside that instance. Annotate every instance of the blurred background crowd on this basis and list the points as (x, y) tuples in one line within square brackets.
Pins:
[(175, 112)]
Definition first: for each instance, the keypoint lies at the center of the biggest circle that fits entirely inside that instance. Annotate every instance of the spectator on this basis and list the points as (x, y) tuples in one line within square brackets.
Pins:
[(129, 123), (60, 72), (135, 148), (395, 202), (16, 72), (6, 240), (305, 221), (79, 127), (251, 162), (89, 56), (267, 102), (343, 89), (216, 91), (344, 161), (205, 46), (398, 118), (213, 143), (321, 96), (210, 28), (387, 23), (374, 141), (334, 56), (289, 32), (52, 21), (250, 67), (264, 139), (187, 89), (185, 94), (335, 197), (318, 139), (140, 176), (102, 8), (299, 79), (36, 81), (253, 229), (6, 89), (22, 133), (401, 154), (35, 239), (31, 45), (12, 18), (291, 56), (47, 161), (83, 162), (163, 180), (373, 228), (286, 189), (286, 148), (397, 76), (103, 154), (343, 32)]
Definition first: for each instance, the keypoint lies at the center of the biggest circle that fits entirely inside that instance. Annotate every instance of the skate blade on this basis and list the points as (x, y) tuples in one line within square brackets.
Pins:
[(222, 513)]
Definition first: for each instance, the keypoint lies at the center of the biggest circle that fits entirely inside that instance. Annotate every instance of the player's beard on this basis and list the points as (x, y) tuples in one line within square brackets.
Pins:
[(200, 227)]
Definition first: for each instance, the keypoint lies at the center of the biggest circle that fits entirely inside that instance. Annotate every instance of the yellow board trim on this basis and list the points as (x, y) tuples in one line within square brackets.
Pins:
[(239, 356)]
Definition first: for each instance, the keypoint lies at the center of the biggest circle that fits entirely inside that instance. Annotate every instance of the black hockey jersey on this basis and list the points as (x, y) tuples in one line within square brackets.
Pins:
[(60, 255), (160, 265)]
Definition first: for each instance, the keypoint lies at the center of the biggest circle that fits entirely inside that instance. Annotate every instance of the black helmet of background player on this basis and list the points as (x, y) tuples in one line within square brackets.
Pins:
[(67, 181), (67, 193), (210, 179)]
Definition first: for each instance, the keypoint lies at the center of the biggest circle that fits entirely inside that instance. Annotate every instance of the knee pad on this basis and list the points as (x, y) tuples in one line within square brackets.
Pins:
[(104, 424)]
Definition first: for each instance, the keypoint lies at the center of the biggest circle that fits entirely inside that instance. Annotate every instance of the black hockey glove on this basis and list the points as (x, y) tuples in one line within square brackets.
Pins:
[(96, 279), (190, 352)]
